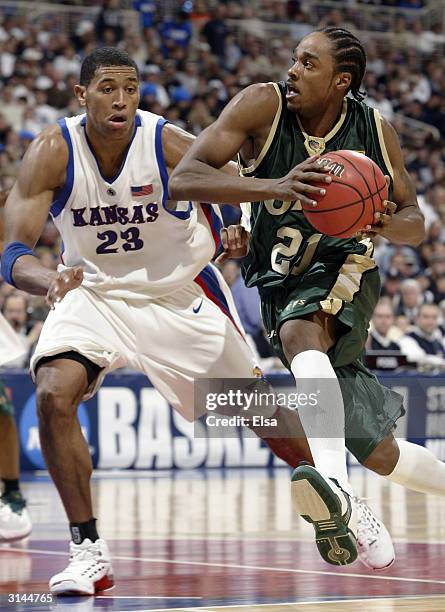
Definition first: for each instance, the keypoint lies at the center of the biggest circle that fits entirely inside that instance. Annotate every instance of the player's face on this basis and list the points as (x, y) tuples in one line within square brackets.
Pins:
[(112, 99), (312, 81)]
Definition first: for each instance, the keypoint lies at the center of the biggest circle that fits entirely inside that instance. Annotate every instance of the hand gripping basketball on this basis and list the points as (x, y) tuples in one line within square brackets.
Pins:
[(306, 182), (358, 192)]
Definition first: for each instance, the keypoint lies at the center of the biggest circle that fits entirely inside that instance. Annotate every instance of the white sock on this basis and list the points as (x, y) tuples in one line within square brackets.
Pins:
[(418, 469), (324, 422)]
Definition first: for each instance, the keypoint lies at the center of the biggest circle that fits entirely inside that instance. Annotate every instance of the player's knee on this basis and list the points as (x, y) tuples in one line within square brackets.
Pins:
[(302, 335), (384, 457), (54, 405)]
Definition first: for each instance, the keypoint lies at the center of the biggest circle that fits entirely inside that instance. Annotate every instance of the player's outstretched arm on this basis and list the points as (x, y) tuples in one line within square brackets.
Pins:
[(405, 223), (175, 144), (26, 211), (248, 116)]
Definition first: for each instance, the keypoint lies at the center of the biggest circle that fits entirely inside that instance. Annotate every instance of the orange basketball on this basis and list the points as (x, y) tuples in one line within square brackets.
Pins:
[(357, 191)]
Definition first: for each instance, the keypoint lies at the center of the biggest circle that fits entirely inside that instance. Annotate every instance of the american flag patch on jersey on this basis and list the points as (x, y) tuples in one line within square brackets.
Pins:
[(141, 190)]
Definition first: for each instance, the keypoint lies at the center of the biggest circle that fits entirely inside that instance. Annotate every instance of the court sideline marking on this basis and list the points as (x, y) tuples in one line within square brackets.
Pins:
[(297, 603), (242, 567)]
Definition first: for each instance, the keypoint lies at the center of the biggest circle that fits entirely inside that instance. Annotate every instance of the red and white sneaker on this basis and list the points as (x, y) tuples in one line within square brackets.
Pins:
[(88, 571)]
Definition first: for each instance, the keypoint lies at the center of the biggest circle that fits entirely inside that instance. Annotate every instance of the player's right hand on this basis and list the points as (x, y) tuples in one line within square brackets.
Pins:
[(65, 281), (297, 184), (235, 241)]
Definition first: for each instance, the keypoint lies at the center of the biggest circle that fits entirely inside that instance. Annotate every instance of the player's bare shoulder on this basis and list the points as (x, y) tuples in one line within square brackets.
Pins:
[(45, 162), (257, 104)]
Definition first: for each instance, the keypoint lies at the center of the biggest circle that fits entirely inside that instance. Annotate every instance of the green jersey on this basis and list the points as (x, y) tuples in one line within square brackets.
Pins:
[(283, 243)]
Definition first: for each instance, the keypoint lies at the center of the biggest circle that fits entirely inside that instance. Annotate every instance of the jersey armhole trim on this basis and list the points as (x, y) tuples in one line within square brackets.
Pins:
[(269, 138), (181, 214), (63, 194), (378, 124)]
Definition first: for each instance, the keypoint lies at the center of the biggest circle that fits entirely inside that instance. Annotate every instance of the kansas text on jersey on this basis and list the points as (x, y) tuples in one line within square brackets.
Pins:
[(122, 230)]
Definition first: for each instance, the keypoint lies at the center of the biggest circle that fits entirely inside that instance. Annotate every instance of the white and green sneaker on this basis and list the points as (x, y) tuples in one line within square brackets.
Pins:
[(15, 523), (322, 502)]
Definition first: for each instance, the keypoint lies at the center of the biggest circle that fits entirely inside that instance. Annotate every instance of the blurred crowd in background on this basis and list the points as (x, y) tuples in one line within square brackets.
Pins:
[(193, 57)]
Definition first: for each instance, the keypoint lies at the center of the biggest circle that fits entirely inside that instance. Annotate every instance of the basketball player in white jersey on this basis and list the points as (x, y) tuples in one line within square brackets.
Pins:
[(136, 288)]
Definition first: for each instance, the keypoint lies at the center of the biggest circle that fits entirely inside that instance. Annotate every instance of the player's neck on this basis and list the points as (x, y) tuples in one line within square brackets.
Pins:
[(321, 123), (109, 156)]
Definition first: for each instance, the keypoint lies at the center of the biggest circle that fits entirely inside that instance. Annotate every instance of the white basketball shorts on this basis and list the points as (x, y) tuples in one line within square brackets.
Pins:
[(193, 333)]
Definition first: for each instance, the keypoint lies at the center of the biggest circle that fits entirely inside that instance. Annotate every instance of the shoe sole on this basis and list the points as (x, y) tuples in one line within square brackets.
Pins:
[(316, 503), (67, 588), (16, 538), (375, 569), (378, 569)]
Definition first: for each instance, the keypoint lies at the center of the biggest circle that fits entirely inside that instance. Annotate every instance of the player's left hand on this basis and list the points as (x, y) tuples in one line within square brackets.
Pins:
[(65, 281), (381, 219), (235, 241)]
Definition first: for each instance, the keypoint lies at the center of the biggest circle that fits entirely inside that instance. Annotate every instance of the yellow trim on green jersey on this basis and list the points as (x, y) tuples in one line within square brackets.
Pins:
[(348, 282), (316, 145), (269, 138), (378, 124)]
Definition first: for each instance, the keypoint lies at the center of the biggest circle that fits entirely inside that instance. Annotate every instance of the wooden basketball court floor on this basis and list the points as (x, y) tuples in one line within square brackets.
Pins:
[(208, 541)]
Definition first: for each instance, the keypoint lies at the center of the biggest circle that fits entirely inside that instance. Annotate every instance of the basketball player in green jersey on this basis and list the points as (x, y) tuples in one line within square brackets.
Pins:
[(317, 293)]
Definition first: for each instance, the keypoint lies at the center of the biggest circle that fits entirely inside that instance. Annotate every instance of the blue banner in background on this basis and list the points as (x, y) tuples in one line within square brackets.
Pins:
[(129, 425)]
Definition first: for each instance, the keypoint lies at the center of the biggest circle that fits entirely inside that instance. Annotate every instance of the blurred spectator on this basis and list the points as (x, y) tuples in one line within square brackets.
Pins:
[(216, 31), (436, 275), (410, 299), (12, 111), (379, 101), (247, 302), (176, 32), (44, 113), (423, 345), (151, 85), (381, 337), (402, 323), (108, 25), (199, 15), (147, 10), (256, 64), (68, 62), (14, 309)]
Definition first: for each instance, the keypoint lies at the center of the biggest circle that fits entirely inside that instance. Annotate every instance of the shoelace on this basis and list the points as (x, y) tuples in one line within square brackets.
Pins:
[(80, 555), (368, 526)]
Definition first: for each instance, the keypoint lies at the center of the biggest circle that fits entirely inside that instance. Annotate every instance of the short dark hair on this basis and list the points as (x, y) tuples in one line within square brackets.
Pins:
[(104, 56), (349, 56)]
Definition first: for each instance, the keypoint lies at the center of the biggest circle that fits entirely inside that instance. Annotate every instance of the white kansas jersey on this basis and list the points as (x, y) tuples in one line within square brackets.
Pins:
[(129, 242)]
